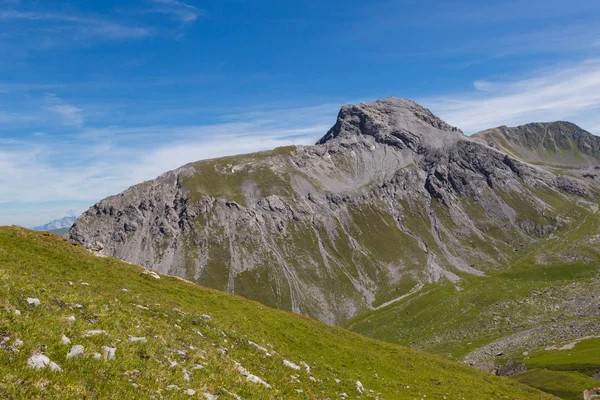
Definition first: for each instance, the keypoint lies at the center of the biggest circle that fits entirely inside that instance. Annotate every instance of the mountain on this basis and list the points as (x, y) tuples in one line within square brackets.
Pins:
[(394, 225), (60, 223), (113, 330), (555, 143), (390, 199)]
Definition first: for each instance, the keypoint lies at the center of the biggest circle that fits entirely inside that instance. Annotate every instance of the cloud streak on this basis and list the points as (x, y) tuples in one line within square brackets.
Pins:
[(87, 25), (95, 162), (570, 92), (178, 10)]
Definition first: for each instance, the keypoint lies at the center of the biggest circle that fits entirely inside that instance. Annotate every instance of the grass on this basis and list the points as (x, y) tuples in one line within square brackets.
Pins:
[(565, 385), (584, 357), (41, 265)]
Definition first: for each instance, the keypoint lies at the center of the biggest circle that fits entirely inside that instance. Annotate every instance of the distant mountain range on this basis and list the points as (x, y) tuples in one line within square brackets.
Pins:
[(60, 223)]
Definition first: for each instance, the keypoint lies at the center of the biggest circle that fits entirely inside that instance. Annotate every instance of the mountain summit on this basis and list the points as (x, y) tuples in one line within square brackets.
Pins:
[(398, 122), (390, 200)]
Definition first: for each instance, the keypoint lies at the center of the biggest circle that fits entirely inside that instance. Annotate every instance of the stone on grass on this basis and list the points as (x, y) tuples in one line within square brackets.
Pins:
[(65, 340), (70, 318), (306, 366), (343, 395), (76, 351), (97, 356), (85, 284), (190, 392), (17, 312), (206, 317), (360, 387), (133, 339), (94, 332), (186, 375), (291, 365), (109, 352), (18, 343), (197, 366), (40, 361), (172, 387), (150, 274), (209, 396), (32, 301)]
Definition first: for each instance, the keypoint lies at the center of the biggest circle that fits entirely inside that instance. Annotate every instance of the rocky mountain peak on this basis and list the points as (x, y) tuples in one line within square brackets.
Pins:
[(553, 143), (398, 122)]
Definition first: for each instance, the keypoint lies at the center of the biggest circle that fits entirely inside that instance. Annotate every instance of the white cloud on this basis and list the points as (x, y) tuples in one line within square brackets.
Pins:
[(45, 174), (183, 12), (570, 92), (69, 114), (88, 26)]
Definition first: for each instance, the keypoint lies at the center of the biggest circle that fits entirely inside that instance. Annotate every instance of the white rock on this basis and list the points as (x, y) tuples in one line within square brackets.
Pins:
[(343, 395), (259, 347), (32, 301), (70, 318), (190, 392), (108, 352), (209, 396), (125, 290), (65, 340), (85, 284), (94, 332), (256, 379), (40, 361), (79, 306), (54, 367), (76, 351), (69, 283), (312, 378), (360, 387), (172, 387), (18, 343), (337, 380), (133, 339), (291, 365), (206, 317), (186, 375), (151, 274), (197, 366), (306, 366), (17, 312), (141, 307), (97, 356)]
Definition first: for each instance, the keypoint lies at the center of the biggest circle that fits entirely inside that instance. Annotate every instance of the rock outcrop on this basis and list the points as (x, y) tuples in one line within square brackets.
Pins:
[(391, 198)]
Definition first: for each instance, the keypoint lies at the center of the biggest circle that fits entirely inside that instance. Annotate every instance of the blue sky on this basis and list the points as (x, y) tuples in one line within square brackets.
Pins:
[(98, 95)]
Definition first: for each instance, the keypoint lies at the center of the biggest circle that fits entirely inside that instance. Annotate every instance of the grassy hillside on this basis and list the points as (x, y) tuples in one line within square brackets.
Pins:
[(193, 339), (547, 296)]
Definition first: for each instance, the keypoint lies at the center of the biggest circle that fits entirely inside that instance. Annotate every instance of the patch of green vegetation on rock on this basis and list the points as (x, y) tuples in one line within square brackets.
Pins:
[(224, 177)]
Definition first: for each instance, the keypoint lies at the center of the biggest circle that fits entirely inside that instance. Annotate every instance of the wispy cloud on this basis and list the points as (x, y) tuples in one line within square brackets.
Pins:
[(68, 113), (568, 92), (90, 26), (182, 12), (95, 162)]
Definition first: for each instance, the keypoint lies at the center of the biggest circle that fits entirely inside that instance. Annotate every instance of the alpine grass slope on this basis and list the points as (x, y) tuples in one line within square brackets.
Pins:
[(101, 328)]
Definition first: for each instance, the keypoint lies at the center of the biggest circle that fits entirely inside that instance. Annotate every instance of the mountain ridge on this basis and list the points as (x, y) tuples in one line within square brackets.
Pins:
[(327, 203)]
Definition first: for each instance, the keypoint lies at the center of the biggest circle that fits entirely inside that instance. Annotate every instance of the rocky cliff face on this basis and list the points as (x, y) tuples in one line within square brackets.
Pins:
[(390, 199)]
